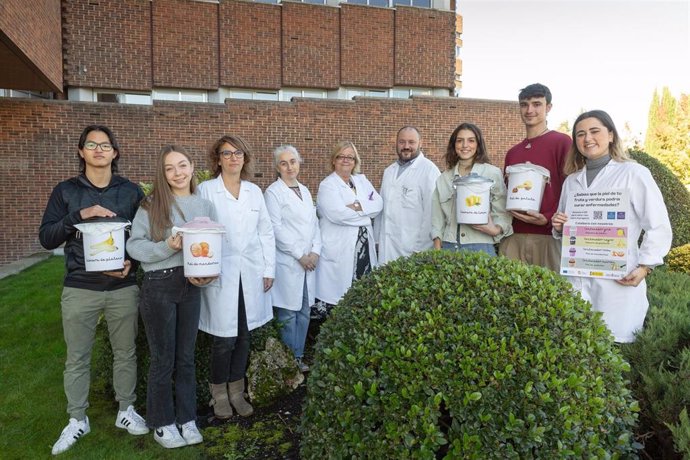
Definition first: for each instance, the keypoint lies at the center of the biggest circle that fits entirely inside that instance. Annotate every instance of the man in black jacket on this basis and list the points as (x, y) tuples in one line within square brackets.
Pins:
[(96, 192)]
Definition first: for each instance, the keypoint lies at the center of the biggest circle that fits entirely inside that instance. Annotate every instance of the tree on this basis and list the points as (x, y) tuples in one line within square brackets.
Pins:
[(668, 132)]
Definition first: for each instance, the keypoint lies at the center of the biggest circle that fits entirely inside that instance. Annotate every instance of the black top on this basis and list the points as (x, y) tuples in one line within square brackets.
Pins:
[(62, 212)]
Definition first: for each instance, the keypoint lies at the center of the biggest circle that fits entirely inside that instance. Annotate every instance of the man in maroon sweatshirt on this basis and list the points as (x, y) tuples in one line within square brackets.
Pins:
[(531, 241)]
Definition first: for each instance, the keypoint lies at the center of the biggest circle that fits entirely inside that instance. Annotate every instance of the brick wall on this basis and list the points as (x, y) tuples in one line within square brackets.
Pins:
[(311, 45), (250, 43), (38, 141), (424, 47), (367, 46), (107, 43), (185, 44), (33, 26), (134, 44)]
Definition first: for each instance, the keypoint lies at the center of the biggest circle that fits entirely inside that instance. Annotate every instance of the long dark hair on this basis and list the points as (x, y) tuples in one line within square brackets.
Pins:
[(113, 141), (159, 204), (482, 155)]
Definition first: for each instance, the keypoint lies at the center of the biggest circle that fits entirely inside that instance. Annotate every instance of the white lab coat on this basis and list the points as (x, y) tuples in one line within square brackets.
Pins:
[(297, 233), (404, 226), (339, 228), (624, 307), (248, 250)]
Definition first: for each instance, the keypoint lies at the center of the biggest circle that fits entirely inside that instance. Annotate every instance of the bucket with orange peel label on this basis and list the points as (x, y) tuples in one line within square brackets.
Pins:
[(202, 242)]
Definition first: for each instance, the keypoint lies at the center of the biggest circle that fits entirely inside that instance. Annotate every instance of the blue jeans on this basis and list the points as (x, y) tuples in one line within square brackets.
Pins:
[(229, 355), (294, 324), (472, 247), (169, 308)]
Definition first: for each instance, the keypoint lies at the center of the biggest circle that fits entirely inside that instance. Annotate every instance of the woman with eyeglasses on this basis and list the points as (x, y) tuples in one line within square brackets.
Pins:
[(239, 301), (298, 245), (346, 202)]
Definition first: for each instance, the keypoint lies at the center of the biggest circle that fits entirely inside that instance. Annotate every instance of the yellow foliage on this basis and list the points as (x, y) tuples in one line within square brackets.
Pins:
[(678, 259)]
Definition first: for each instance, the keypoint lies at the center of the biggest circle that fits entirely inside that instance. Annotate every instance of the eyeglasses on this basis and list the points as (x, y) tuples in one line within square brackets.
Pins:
[(229, 154), (344, 158), (105, 146)]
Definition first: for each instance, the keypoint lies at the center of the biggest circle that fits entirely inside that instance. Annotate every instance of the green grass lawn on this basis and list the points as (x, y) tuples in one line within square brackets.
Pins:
[(32, 401)]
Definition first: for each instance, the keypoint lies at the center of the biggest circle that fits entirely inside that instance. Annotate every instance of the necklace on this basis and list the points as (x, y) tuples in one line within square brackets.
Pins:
[(528, 144)]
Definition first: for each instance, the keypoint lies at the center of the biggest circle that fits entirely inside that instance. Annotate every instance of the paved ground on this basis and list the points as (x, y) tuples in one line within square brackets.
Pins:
[(15, 267)]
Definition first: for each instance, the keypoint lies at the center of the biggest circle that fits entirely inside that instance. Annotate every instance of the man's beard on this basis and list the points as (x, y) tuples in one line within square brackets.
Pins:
[(415, 154)]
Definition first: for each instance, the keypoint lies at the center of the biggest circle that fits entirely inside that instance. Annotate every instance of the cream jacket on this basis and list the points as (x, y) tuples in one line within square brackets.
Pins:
[(443, 217)]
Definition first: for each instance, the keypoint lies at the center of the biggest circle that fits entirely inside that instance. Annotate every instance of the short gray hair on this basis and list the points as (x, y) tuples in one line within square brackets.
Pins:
[(282, 149)]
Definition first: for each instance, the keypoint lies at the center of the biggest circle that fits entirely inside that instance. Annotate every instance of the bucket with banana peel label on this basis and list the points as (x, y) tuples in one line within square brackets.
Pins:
[(104, 244), (526, 183)]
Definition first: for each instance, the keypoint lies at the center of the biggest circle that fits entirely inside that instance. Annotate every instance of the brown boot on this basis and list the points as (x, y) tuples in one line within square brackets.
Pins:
[(236, 390), (219, 400)]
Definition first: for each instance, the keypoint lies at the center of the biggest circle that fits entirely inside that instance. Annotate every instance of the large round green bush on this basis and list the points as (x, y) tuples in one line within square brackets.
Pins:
[(676, 196), (445, 355)]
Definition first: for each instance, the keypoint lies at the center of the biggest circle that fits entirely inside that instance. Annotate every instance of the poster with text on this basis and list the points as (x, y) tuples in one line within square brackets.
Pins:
[(595, 238)]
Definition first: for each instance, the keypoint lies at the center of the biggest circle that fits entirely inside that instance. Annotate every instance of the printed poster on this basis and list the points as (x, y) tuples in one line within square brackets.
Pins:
[(595, 238)]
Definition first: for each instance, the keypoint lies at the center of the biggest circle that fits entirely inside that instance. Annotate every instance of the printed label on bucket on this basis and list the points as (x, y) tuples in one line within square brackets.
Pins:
[(104, 252)]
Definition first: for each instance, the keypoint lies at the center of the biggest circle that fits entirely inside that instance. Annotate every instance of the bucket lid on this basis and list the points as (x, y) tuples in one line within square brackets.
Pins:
[(99, 225), (471, 178), (200, 225), (528, 167)]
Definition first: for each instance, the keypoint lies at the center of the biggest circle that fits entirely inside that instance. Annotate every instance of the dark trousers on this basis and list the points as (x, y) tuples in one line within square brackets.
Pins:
[(169, 308), (229, 355)]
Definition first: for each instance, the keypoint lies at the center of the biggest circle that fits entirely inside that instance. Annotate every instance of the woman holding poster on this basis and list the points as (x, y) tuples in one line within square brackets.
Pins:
[(597, 162)]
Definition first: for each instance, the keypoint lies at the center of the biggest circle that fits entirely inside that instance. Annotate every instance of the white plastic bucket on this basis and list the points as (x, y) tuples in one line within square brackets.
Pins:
[(104, 245), (202, 245), (472, 199), (526, 183)]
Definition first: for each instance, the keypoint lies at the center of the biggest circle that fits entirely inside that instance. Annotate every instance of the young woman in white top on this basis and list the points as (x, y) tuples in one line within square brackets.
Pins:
[(597, 162)]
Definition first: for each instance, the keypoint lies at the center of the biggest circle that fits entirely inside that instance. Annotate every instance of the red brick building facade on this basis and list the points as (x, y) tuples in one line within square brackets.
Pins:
[(213, 49)]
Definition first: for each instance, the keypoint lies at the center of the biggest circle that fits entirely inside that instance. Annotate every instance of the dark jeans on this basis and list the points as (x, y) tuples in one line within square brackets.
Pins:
[(229, 355), (169, 306)]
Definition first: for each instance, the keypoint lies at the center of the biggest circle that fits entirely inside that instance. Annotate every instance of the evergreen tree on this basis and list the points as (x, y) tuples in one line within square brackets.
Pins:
[(668, 132)]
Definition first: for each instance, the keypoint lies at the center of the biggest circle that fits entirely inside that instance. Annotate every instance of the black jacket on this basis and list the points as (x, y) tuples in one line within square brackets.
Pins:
[(62, 212)]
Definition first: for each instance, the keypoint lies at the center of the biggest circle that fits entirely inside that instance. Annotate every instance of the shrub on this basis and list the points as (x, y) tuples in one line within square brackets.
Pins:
[(465, 356), (660, 360), (103, 364), (678, 259), (676, 196)]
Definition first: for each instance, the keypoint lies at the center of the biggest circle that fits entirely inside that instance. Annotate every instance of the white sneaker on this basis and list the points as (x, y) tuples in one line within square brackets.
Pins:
[(169, 437), (303, 367), (74, 430), (191, 433), (131, 421)]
